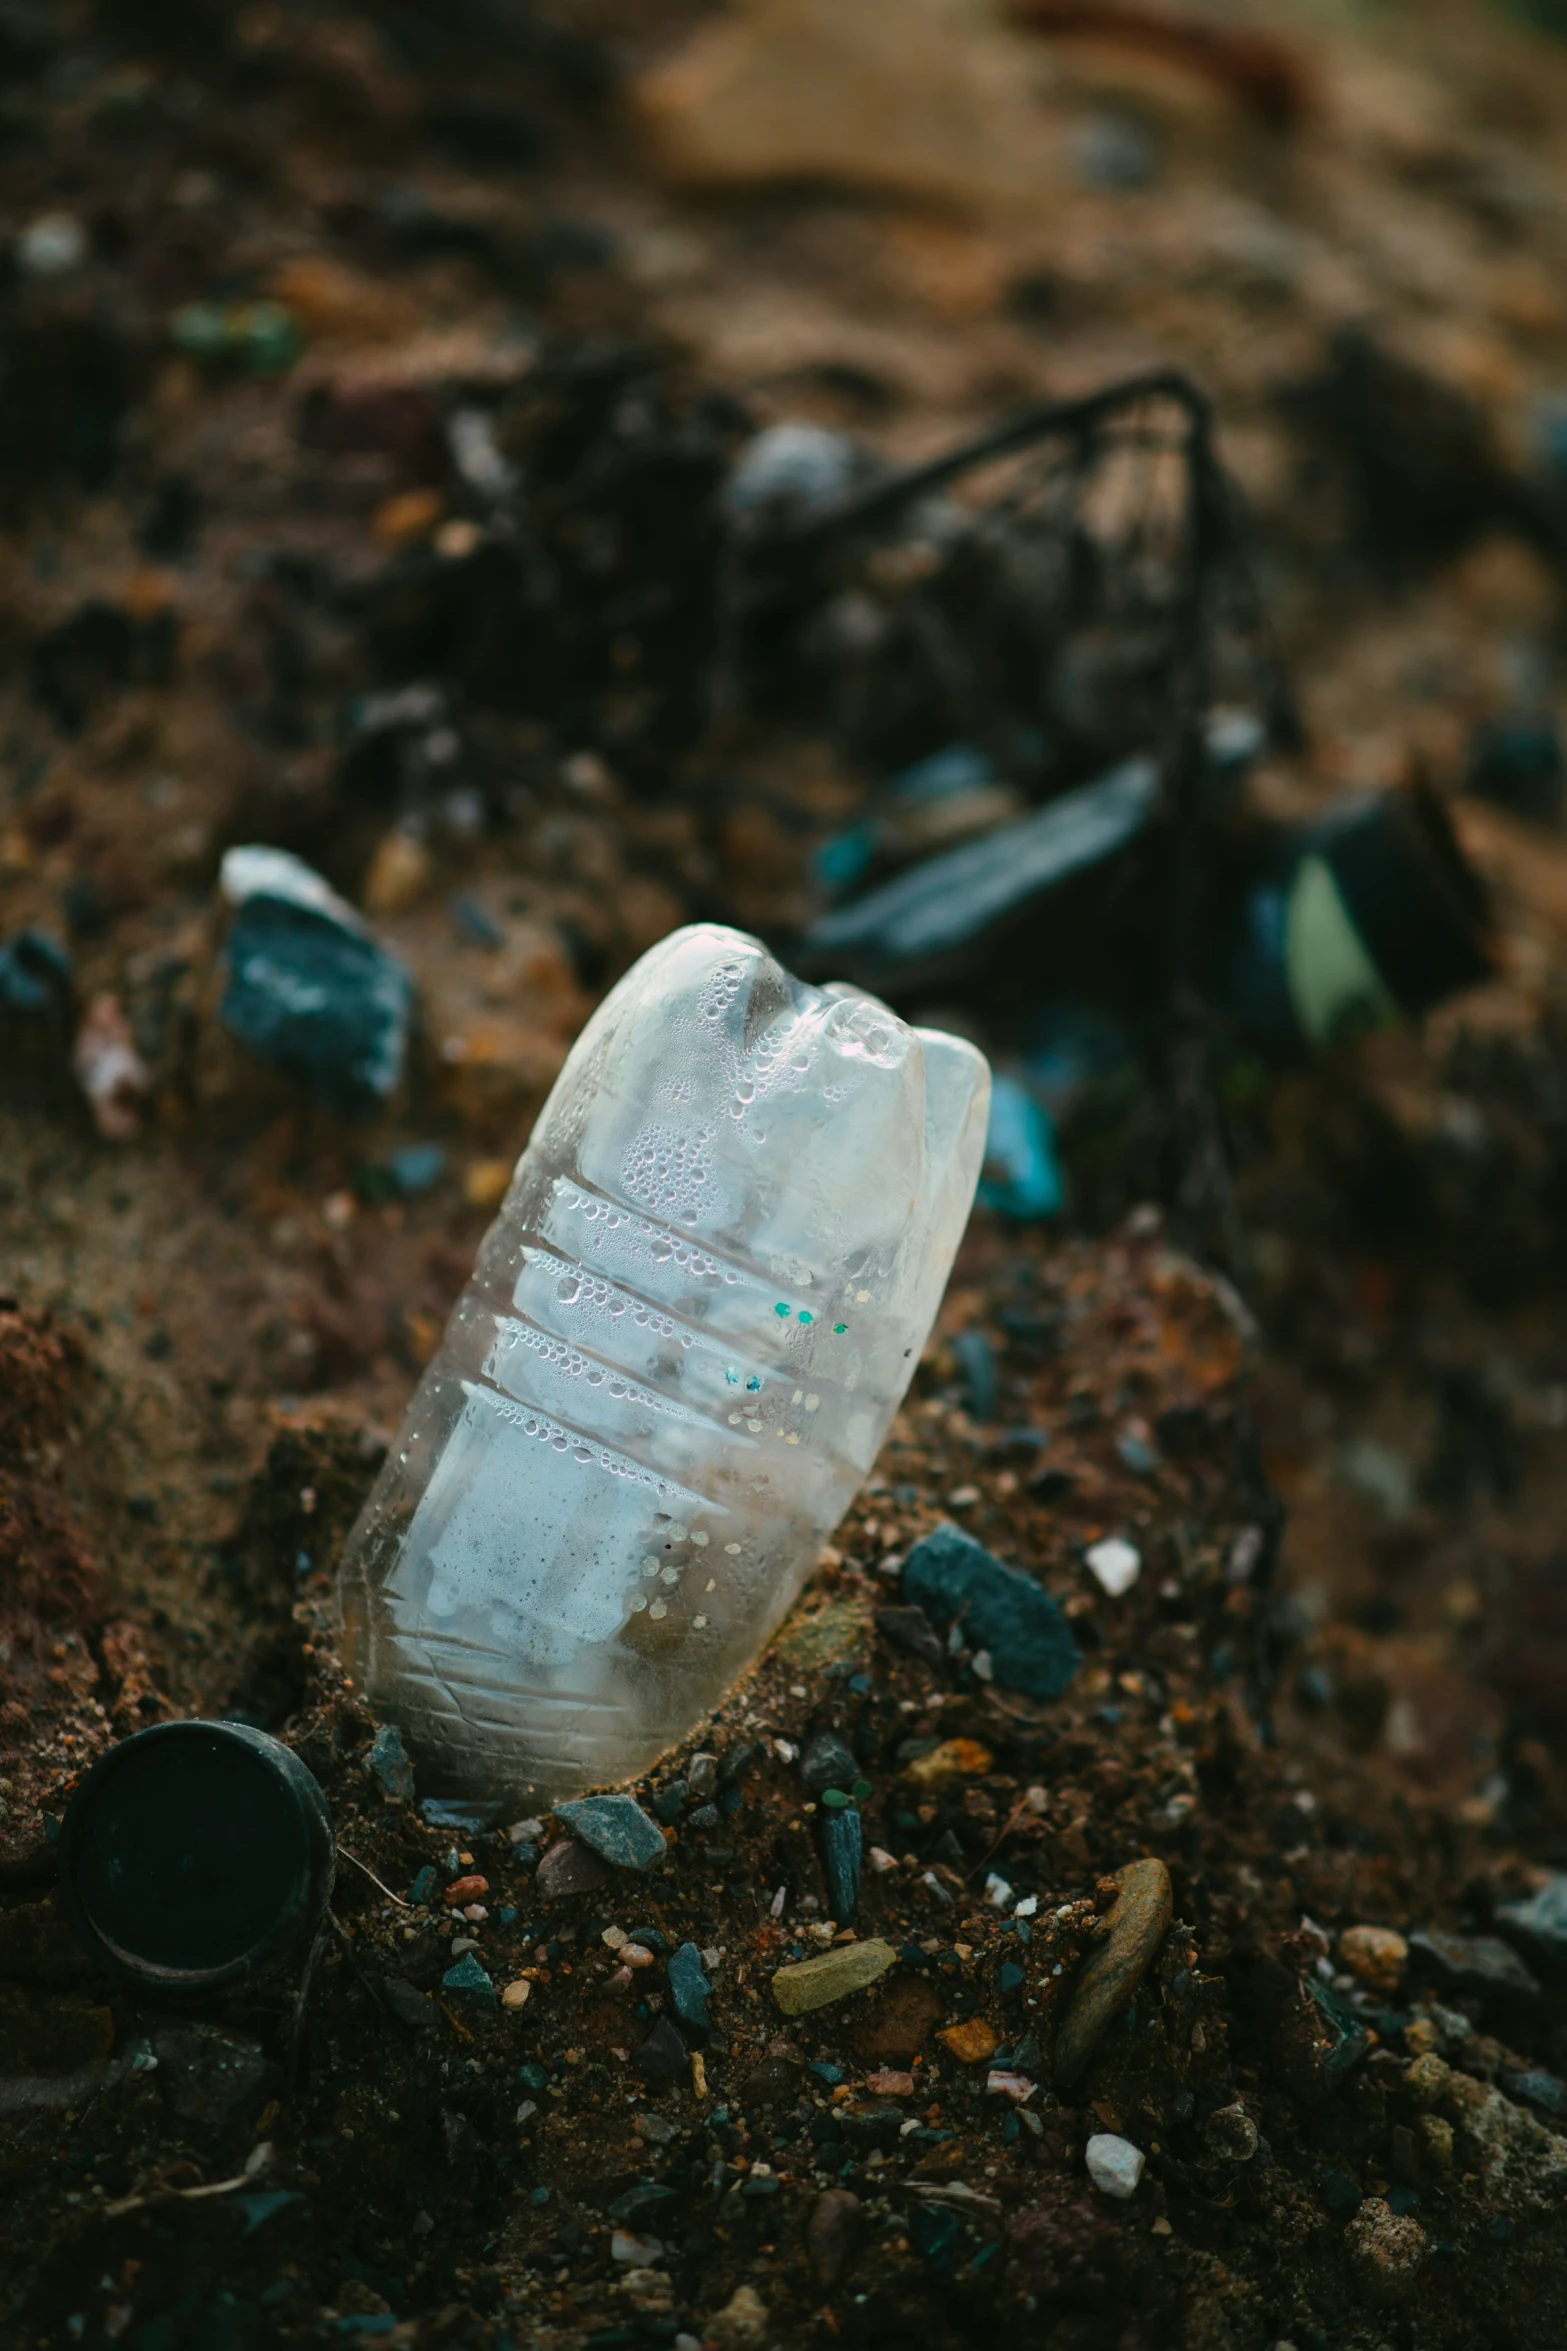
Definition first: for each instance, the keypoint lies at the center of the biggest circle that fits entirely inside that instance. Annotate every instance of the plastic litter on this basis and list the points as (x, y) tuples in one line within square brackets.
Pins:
[(196, 1856), (682, 1346)]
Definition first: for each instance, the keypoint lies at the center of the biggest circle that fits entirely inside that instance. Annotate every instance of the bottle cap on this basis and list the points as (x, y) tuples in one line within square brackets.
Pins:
[(196, 1856)]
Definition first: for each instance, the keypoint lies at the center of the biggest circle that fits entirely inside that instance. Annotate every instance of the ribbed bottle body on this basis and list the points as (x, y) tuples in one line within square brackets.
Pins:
[(684, 1338)]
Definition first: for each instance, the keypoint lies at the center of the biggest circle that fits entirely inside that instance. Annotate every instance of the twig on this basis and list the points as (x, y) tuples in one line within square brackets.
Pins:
[(374, 1880)]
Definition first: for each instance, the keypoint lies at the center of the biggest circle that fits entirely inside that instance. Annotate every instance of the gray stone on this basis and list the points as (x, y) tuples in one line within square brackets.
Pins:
[(911, 1629), (210, 2078), (702, 1772), (1472, 1963), (956, 1581), (617, 1828), (689, 1988), (569, 1868), (828, 1762), (669, 1802), (389, 1761), (842, 1836), (1540, 1923)]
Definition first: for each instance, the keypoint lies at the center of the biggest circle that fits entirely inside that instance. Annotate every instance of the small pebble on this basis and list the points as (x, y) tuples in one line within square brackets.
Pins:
[(830, 2236), (971, 2041), (1230, 2134), (1376, 1954), (663, 2055), (516, 1993), (468, 1981), (569, 1868), (1115, 1565), (689, 1989), (1386, 2251), (1114, 2165), (1005, 2084), (388, 1761), (616, 1828), (1112, 1972), (813, 1983), (634, 2252)]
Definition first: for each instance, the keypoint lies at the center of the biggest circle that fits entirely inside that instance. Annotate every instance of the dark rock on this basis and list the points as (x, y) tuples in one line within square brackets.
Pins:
[(663, 2056), (896, 2027), (669, 1802), (842, 1840), (308, 988), (831, 2234), (868, 2128), (1517, 763), (776, 2081), (828, 1762), (617, 1828), (706, 1816), (1539, 1924), (702, 1772), (689, 1988), (911, 1629), (408, 2005), (211, 2079), (954, 1579), (1471, 1963), (569, 1868)]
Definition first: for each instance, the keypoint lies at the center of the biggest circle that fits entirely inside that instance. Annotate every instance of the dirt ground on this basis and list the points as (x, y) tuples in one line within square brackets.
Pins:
[(255, 264)]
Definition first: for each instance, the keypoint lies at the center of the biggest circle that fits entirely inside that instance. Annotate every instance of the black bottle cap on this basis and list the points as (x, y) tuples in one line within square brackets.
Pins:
[(196, 1856)]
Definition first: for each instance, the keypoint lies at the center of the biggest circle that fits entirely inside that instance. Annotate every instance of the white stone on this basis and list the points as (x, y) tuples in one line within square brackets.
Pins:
[(52, 245), (1115, 1564), (1114, 2164)]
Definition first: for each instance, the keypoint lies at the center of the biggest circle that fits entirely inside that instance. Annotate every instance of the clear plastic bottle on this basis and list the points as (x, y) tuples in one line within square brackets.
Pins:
[(686, 1334)]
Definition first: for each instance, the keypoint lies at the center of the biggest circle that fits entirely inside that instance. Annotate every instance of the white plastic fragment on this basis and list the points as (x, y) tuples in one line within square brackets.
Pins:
[(1114, 2165), (1115, 1565), (997, 1891)]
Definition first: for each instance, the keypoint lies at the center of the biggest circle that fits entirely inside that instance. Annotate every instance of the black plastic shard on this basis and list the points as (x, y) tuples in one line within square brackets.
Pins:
[(195, 1856)]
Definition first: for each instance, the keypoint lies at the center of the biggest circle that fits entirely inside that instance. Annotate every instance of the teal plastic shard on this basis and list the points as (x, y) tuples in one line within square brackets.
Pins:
[(685, 1337)]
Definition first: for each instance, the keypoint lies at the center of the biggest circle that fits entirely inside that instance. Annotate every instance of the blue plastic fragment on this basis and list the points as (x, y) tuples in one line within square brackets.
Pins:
[(1022, 1177), (414, 1167), (961, 767), (260, 2208)]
